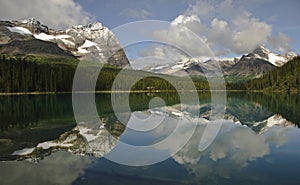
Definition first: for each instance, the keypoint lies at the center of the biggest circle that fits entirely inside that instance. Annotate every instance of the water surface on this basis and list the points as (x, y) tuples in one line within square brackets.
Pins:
[(41, 143)]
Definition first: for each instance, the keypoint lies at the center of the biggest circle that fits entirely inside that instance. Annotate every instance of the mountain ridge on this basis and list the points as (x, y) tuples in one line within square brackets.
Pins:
[(254, 64), (93, 42)]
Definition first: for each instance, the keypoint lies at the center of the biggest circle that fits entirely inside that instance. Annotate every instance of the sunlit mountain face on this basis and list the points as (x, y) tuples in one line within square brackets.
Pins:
[(93, 42), (253, 134)]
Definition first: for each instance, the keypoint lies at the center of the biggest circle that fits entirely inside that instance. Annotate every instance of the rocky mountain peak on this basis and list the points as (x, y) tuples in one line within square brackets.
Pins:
[(264, 54), (96, 26), (93, 42), (31, 22), (92, 26), (291, 55), (260, 51), (33, 25), (262, 48)]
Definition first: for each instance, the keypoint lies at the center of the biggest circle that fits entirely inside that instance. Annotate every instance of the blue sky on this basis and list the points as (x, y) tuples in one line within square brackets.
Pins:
[(229, 27), (282, 16)]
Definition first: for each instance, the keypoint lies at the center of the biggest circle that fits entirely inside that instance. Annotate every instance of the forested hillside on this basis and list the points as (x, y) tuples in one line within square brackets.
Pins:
[(284, 79), (42, 74), (48, 74), (29, 74)]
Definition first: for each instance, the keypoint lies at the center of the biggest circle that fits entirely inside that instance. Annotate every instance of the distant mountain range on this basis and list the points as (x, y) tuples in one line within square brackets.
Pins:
[(254, 64), (96, 42)]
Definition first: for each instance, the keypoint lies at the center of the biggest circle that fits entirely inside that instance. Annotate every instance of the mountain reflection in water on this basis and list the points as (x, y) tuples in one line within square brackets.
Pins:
[(257, 129)]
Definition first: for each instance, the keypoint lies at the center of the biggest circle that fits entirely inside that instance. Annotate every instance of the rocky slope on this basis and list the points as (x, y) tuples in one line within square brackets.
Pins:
[(254, 64), (91, 42), (247, 66), (259, 62)]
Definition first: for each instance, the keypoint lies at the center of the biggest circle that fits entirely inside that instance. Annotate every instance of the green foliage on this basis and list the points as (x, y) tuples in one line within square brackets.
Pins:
[(284, 79), (29, 74), (42, 74), (238, 78), (285, 104)]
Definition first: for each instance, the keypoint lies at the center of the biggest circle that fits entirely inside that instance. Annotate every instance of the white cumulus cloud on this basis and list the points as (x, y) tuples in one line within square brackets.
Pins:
[(201, 8), (280, 43), (226, 27), (137, 13), (56, 14), (249, 34), (234, 28)]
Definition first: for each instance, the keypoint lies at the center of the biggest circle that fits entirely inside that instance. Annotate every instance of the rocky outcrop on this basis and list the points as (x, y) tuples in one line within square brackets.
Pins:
[(93, 42)]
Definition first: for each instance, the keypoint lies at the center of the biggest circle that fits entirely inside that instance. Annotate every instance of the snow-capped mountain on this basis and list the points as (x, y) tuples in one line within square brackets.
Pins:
[(264, 53), (255, 64), (91, 42), (180, 68), (188, 66)]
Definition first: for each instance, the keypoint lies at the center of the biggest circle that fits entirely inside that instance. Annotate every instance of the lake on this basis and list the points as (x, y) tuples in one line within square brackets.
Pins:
[(41, 142)]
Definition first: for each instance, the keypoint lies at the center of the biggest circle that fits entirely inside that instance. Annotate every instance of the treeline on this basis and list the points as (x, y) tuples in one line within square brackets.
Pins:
[(283, 79), (31, 74), (46, 74)]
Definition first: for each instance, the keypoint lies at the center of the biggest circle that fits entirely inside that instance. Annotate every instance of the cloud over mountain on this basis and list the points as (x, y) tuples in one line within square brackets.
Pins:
[(54, 13), (225, 27)]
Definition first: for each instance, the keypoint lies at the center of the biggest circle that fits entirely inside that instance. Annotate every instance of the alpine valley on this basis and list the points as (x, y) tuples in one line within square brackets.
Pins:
[(142, 124), (29, 42)]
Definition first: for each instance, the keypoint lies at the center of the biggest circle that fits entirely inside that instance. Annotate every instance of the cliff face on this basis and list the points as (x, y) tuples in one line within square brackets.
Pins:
[(93, 42)]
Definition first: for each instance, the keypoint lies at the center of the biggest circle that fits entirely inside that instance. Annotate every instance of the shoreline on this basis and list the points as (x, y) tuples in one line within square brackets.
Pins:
[(137, 91), (106, 91)]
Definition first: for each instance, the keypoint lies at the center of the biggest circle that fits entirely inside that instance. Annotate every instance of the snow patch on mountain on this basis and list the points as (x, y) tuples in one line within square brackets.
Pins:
[(20, 30), (88, 44), (82, 51), (47, 37), (44, 37), (276, 60)]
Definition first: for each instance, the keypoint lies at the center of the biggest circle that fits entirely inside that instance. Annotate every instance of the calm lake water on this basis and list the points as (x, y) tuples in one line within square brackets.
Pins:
[(258, 143)]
